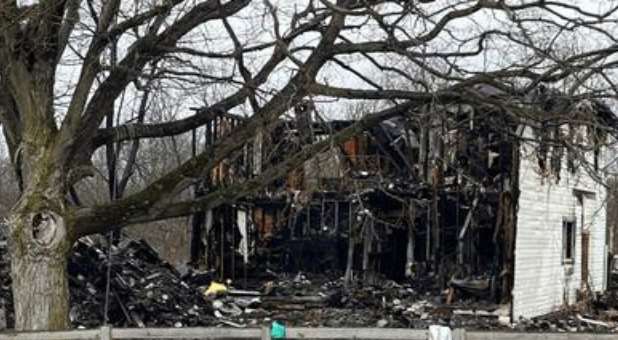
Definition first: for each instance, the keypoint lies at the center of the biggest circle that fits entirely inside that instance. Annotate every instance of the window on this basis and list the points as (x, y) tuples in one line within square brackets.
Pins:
[(568, 240)]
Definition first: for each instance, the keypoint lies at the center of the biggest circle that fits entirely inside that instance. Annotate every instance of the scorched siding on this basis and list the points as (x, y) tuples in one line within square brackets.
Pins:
[(541, 282)]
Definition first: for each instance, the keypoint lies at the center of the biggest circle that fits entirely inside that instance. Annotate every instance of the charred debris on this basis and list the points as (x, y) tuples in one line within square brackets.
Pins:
[(145, 291), (136, 289)]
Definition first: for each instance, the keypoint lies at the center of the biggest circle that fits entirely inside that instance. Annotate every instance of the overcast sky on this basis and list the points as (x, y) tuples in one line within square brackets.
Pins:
[(253, 26)]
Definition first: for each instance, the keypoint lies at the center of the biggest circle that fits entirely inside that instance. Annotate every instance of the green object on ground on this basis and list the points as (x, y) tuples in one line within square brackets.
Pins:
[(277, 331)]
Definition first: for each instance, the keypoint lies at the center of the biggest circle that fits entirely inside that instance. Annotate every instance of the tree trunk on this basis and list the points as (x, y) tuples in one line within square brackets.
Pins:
[(40, 245), (40, 293)]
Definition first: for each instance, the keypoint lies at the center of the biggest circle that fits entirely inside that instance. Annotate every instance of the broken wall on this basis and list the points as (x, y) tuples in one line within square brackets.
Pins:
[(543, 280)]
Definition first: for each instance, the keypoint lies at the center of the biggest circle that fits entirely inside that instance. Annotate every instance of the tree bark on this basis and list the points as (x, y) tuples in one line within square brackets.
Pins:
[(40, 292), (40, 245)]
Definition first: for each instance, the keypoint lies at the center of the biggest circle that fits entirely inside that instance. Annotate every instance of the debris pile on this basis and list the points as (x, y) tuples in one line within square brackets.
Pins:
[(143, 290), (317, 301), (6, 296), (320, 302), (571, 321)]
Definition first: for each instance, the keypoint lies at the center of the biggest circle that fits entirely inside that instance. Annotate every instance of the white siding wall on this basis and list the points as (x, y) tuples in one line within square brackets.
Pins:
[(595, 215), (541, 283)]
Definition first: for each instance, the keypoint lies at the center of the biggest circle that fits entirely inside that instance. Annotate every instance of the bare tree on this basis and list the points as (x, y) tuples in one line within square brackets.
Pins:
[(53, 123)]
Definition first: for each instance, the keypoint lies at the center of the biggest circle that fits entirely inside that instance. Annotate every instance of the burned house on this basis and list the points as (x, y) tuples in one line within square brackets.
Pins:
[(486, 202)]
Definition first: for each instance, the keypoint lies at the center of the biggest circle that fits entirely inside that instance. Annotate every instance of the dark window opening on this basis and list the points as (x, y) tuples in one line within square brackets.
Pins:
[(568, 243)]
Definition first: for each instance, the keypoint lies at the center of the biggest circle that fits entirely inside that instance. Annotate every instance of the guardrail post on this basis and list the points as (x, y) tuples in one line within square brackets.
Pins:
[(459, 334), (265, 334), (105, 333)]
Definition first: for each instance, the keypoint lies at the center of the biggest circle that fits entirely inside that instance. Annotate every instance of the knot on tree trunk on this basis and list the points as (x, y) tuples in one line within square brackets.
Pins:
[(48, 228), (42, 233)]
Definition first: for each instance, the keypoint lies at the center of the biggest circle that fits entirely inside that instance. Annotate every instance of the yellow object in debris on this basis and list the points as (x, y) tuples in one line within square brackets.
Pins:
[(215, 288)]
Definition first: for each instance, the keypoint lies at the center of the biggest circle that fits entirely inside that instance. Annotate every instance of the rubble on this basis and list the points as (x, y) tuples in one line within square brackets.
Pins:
[(6, 296), (320, 301), (568, 320), (146, 291)]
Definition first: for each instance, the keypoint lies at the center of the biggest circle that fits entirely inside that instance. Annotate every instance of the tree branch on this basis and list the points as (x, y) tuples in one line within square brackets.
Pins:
[(180, 178), (104, 218), (76, 130)]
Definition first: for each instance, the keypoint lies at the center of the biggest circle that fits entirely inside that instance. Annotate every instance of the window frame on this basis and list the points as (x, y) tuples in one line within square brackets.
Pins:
[(566, 222)]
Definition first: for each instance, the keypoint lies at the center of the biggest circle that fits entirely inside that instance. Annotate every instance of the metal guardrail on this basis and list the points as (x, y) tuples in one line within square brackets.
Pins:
[(108, 333)]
